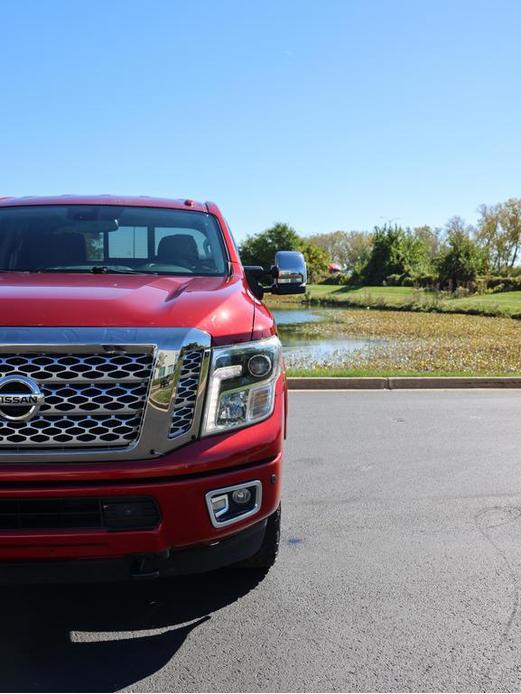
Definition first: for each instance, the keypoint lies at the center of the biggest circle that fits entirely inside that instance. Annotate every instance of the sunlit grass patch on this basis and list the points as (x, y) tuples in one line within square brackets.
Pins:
[(407, 299)]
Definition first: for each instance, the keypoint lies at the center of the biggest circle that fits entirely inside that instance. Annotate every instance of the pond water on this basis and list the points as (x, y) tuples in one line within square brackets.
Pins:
[(292, 316), (309, 350)]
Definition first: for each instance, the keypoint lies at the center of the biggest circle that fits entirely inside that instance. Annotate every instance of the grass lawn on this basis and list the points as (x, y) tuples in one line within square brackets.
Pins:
[(509, 302), (390, 294), (407, 298)]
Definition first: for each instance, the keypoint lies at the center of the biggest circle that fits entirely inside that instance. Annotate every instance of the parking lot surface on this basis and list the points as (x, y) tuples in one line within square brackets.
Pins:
[(400, 569)]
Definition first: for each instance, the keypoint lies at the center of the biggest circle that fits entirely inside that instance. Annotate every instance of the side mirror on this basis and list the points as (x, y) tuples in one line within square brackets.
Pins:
[(289, 273), (254, 273)]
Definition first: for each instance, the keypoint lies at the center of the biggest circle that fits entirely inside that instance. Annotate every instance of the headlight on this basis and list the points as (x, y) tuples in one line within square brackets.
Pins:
[(241, 388)]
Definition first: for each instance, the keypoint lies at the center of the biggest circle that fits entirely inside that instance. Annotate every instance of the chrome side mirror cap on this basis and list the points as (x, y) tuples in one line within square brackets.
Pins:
[(289, 272)]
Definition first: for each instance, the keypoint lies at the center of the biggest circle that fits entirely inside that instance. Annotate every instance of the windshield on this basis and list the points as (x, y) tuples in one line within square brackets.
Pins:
[(110, 238)]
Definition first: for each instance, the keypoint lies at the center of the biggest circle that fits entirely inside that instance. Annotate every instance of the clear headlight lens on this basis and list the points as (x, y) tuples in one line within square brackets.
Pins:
[(241, 388)]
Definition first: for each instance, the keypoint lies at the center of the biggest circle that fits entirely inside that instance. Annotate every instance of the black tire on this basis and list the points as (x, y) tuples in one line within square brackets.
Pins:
[(266, 555)]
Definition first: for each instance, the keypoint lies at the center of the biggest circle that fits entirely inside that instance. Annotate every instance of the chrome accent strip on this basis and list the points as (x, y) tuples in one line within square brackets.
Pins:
[(224, 490), (165, 344), (189, 372)]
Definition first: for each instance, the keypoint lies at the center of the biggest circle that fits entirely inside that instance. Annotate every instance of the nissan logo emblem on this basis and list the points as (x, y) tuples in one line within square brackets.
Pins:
[(20, 398)]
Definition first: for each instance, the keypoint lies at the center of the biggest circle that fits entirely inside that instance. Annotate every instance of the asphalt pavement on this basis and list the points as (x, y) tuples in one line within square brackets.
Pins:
[(400, 570)]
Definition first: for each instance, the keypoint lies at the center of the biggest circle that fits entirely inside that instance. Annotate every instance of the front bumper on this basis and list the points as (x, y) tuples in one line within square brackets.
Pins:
[(185, 520)]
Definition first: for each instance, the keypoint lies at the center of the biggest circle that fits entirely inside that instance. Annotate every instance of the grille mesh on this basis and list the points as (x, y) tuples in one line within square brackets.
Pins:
[(112, 367), (70, 431), (91, 400), (186, 393), (119, 398)]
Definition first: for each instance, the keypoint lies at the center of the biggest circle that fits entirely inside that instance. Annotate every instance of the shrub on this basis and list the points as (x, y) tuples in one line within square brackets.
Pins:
[(405, 280), (424, 279), (503, 284), (394, 280), (396, 254), (481, 285), (461, 292), (338, 279)]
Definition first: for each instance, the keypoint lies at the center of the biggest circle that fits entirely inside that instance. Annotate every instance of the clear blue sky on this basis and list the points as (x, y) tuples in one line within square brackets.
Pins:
[(327, 115)]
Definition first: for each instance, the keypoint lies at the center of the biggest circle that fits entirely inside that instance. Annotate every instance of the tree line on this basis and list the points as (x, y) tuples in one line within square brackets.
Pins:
[(455, 255)]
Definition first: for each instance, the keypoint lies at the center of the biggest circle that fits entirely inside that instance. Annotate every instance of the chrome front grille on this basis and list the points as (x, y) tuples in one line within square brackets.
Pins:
[(91, 400), (109, 393), (186, 393)]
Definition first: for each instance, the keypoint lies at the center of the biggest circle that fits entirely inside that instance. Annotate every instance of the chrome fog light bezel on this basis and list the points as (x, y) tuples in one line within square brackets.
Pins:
[(227, 492)]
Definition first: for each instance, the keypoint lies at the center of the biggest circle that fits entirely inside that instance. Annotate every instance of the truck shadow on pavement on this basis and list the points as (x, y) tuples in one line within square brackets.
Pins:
[(68, 638)]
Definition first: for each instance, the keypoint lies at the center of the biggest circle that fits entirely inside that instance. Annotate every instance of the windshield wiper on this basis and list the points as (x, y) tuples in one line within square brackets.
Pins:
[(108, 270), (95, 270)]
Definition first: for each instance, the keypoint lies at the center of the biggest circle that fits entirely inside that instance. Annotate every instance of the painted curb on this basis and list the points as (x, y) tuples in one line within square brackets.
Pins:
[(402, 382)]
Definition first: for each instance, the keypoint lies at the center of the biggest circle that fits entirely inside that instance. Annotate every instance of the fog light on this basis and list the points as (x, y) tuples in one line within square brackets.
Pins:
[(232, 504), (241, 496)]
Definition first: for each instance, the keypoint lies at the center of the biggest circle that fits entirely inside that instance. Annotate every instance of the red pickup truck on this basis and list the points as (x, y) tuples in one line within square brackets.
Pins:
[(142, 391)]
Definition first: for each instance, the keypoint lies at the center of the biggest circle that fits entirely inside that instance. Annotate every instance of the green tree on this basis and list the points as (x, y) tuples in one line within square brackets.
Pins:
[(360, 245), (388, 255), (333, 243), (462, 259), (430, 238), (499, 233), (350, 249), (261, 248), (398, 255), (317, 260), (416, 259)]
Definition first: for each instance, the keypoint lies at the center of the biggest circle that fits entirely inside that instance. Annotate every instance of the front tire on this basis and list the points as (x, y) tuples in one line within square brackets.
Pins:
[(266, 555)]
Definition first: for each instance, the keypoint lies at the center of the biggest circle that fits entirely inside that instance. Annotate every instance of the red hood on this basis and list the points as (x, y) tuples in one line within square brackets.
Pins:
[(221, 306)]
